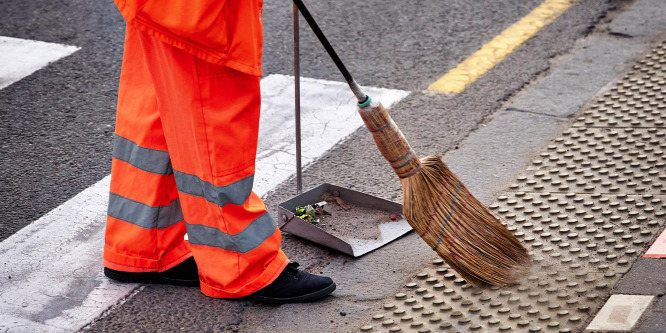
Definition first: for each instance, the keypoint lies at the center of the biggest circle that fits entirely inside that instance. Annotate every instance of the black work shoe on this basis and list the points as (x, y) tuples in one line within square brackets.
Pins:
[(184, 274), (294, 286)]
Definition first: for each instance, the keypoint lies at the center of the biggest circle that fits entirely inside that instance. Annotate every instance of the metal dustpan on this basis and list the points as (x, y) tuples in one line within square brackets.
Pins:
[(288, 221), (374, 208)]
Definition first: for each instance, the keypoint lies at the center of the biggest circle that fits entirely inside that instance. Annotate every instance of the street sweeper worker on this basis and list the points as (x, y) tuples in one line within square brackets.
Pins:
[(184, 156)]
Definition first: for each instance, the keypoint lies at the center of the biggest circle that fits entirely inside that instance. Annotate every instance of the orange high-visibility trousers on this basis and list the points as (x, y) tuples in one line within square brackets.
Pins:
[(183, 162)]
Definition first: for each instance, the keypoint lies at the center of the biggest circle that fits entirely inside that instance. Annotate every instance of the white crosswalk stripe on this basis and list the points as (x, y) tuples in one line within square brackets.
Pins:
[(21, 57), (328, 114)]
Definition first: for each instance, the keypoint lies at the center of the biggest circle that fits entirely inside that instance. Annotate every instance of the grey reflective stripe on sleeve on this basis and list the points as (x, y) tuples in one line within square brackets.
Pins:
[(142, 215), (146, 159), (245, 241), (235, 193)]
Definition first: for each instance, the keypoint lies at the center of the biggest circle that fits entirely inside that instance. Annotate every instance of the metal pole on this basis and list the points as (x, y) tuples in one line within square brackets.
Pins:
[(297, 100)]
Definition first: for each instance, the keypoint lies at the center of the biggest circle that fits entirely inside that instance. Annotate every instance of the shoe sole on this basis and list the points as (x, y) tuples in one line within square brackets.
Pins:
[(319, 294), (122, 277)]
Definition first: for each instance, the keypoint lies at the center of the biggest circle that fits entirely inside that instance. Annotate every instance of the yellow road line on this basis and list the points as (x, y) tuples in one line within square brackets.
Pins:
[(497, 49)]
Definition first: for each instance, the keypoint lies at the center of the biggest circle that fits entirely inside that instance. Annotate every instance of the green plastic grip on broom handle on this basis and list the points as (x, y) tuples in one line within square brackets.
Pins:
[(390, 140)]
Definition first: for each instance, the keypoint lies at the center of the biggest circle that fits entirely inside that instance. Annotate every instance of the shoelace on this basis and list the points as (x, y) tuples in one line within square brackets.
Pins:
[(292, 269)]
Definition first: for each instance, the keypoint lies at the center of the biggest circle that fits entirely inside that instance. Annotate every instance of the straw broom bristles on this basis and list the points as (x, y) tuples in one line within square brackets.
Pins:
[(443, 212)]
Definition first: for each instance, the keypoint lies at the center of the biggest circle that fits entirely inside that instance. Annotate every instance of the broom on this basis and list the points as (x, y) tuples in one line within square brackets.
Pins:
[(435, 202)]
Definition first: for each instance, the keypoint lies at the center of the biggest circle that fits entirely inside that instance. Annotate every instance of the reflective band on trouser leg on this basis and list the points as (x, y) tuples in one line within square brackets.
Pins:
[(235, 193), (145, 229), (144, 216), (210, 116), (245, 241), (151, 160), (252, 248)]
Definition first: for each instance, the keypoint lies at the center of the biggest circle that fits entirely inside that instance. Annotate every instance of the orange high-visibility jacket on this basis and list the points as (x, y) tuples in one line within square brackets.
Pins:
[(225, 33)]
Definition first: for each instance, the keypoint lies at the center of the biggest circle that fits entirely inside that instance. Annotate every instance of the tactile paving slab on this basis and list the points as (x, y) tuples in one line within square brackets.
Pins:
[(586, 208)]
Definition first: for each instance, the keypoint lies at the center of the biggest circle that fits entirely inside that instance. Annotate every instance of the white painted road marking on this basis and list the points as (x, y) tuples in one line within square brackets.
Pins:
[(51, 270), (328, 115), (20, 57), (620, 313)]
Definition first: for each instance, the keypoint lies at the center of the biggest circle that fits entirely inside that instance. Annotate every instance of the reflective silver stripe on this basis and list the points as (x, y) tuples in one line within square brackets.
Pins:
[(142, 215), (146, 159), (235, 193), (245, 241)]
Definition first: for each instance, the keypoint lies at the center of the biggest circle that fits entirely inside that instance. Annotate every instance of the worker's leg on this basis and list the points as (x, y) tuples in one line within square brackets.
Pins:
[(210, 116), (145, 227)]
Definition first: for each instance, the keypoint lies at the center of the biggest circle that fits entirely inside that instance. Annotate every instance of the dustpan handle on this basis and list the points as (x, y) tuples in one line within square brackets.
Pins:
[(297, 104)]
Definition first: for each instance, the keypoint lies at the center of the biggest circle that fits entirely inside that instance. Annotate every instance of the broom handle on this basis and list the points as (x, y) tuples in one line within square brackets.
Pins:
[(356, 89), (388, 137)]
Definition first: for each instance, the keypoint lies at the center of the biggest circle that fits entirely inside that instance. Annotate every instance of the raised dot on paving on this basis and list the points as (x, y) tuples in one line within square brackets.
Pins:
[(620, 313)]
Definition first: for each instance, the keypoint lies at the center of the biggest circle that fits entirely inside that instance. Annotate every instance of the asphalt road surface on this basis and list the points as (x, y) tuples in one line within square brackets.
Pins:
[(56, 125)]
